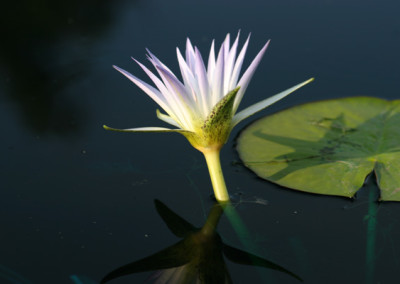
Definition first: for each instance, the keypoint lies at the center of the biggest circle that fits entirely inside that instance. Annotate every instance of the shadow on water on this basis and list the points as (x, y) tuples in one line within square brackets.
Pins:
[(198, 257), (45, 46)]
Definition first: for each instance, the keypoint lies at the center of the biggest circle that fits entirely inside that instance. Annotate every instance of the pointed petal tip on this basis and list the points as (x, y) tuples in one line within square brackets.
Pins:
[(307, 81), (119, 69), (112, 129), (266, 44), (150, 54)]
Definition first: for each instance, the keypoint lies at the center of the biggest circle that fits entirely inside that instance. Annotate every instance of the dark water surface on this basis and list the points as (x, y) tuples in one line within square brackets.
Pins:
[(78, 200)]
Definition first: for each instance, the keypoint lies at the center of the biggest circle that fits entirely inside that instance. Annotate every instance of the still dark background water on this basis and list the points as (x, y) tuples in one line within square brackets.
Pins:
[(75, 199)]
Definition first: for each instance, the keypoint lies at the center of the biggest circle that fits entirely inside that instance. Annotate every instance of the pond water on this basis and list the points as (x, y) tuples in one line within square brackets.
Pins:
[(77, 202)]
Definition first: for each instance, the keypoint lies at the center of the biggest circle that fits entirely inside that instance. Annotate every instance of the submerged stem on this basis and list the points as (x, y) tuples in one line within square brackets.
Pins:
[(217, 178), (213, 218)]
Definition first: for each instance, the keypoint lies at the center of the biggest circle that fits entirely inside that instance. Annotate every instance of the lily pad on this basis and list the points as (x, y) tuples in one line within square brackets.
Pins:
[(328, 147)]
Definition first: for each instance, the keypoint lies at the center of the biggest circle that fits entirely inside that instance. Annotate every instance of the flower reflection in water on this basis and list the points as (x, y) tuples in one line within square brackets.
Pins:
[(197, 258)]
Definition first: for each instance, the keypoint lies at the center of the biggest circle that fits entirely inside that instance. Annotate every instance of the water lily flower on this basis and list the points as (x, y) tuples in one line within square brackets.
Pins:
[(203, 107)]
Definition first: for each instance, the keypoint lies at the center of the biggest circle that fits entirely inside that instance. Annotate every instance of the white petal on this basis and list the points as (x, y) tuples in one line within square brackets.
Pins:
[(229, 64), (167, 119), (161, 87), (190, 54), (184, 105), (175, 87), (172, 83), (245, 80), (164, 91), (211, 62), (149, 90), (217, 82), (226, 45), (182, 100), (203, 83), (187, 76), (265, 103), (155, 61), (238, 65)]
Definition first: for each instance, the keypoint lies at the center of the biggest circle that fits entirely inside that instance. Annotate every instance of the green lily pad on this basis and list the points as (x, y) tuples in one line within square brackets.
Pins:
[(328, 147)]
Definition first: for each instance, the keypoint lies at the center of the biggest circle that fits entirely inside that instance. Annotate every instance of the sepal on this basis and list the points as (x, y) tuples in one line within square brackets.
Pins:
[(265, 103)]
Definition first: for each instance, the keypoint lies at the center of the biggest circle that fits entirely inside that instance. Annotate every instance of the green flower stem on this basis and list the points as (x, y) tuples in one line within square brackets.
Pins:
[(217, 178)]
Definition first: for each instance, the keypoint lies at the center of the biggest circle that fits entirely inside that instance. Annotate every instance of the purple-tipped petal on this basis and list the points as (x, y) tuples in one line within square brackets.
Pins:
[(155, 61), (188, 77), (175, 87), (190, 54), (160, 85), (167, 76), (184, 105), (203, 84), (217, 82), (149, 90), (226, 46), (245, 80), (229, 64), (211, 62), (238, 65)]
